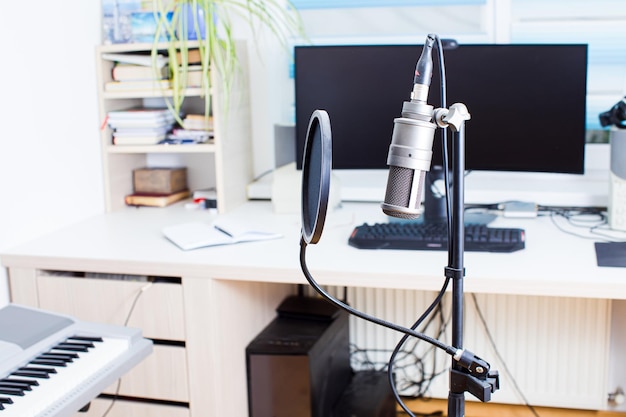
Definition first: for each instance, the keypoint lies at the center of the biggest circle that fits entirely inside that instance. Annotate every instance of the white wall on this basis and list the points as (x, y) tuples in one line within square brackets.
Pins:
[(50, 171)]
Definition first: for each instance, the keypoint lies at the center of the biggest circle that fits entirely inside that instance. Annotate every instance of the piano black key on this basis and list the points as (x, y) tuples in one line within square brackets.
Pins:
[(71, 348), (40, 369), (87, 338), (12, 391), (57, 357), (12, 384), (31, 382), (50, 362), (79, 344), (33, 374), (70, 355), (3, 401)]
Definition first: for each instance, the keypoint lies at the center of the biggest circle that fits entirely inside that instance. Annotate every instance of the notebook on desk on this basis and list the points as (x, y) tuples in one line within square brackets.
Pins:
[(196, 235)]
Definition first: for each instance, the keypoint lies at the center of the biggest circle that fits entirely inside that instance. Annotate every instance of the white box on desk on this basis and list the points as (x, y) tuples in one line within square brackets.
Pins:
[(287, 190)]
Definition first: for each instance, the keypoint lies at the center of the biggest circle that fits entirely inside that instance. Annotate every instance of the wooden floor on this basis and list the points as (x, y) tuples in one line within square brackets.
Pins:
[(476, 409)]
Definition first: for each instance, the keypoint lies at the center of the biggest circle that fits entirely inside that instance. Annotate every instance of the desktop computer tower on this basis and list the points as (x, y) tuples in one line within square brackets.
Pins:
[(299, 365)]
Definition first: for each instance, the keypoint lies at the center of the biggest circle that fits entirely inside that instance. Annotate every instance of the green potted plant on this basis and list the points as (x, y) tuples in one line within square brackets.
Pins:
[(206, 25)]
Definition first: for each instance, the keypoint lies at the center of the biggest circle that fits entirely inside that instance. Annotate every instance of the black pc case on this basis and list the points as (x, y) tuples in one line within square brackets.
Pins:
[(299, 365)]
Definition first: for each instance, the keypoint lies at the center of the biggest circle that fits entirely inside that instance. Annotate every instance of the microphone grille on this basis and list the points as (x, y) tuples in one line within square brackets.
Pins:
[(400, 185)]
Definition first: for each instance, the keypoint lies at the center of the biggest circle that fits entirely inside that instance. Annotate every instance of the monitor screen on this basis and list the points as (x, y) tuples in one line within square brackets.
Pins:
[(527, 102)]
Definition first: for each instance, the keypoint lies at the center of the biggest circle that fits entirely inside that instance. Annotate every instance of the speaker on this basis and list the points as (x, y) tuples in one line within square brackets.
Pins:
[(298, 366), (284, 145), (617, 181)]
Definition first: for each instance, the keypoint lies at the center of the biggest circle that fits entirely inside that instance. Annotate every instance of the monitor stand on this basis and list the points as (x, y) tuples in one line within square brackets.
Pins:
[(435, 201)]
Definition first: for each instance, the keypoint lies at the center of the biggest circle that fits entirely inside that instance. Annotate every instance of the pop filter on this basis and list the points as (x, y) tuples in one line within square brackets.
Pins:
[(316, 167)]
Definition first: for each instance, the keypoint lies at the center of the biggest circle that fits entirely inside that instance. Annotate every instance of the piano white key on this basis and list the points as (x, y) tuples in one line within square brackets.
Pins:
[(47, 398)]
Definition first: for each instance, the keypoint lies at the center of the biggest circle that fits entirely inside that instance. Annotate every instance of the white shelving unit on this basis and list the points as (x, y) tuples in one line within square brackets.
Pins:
[(224, 164)]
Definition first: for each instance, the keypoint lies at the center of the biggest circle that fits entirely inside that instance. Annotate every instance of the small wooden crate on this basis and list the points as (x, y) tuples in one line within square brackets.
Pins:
[(159, 180)]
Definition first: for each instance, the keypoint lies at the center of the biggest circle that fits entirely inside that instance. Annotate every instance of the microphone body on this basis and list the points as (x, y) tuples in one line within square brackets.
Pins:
[(410, 152)]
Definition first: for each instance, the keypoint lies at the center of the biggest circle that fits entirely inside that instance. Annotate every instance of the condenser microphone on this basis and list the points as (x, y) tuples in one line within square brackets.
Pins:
[(411, 149)]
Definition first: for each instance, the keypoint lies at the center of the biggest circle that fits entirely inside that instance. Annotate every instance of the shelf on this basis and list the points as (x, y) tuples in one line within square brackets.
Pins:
[(125, 149), (141, 46), (112, 95), (224, 164)]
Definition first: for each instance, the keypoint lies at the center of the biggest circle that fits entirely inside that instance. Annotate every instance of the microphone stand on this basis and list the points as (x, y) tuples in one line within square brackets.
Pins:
[(464, 377)]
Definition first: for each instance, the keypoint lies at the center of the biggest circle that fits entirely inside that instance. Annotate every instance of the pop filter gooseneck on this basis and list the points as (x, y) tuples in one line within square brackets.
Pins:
[(316, 169)]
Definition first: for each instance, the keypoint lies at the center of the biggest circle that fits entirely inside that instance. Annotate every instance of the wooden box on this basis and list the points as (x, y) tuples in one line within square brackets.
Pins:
[(159, 180)]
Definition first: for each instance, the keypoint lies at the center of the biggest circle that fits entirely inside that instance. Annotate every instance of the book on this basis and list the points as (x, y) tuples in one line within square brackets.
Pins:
[(142, 130), (143, 85), (140, 134), (198, 122), (196, 136), (137, 59), (122, 124), (140, 117), (193, 57), (148, 139), (155, 200), (195, 79), (133, 72), (144, 113), (196, 235)]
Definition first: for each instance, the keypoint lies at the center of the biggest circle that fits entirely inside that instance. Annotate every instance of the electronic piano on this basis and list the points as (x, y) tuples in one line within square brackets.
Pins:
[(54, 365)]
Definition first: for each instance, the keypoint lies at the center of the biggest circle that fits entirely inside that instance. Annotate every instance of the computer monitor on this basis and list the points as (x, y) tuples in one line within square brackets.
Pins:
[(527, 102)]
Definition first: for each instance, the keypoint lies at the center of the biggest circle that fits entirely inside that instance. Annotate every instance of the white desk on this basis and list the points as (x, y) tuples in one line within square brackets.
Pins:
[(230, 292)]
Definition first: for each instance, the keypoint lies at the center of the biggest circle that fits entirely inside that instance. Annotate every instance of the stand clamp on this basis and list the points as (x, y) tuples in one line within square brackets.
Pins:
[(453, 273), (475, 376)]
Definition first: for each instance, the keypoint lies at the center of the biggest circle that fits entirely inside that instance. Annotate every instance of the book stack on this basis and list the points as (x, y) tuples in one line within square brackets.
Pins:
[(197, 128), (138, 72), (158, 187), (140, 126)]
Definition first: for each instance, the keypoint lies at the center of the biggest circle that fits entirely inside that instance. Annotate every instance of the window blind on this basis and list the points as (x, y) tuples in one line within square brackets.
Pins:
[(600, 24), (338, 4)]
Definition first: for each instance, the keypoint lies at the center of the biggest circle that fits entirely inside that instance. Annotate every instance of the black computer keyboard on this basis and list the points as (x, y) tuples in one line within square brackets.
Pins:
[(434, 236)]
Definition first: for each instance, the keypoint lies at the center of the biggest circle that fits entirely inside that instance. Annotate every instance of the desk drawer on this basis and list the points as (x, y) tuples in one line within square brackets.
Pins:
[(158, 310), (162, 375), (122, 408)]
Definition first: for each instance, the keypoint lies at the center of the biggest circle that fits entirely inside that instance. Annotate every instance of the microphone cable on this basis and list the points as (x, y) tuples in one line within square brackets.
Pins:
[(340, 304), (118, 386), (390, 376), (407, 331)]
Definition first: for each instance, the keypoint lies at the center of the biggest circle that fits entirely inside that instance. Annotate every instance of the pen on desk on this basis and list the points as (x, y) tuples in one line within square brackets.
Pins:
[(223, 230)]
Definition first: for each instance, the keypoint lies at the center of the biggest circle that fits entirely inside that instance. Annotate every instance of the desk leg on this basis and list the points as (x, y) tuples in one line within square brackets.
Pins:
[(617, 357), (23, 286), (221, 318)]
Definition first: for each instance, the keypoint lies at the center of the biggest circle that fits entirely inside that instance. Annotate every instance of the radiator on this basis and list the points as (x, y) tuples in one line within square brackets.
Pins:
[(554, 350)]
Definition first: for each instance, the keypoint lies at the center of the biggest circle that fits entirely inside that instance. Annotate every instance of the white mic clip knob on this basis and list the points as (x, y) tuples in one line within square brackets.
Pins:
[(454, 117)]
